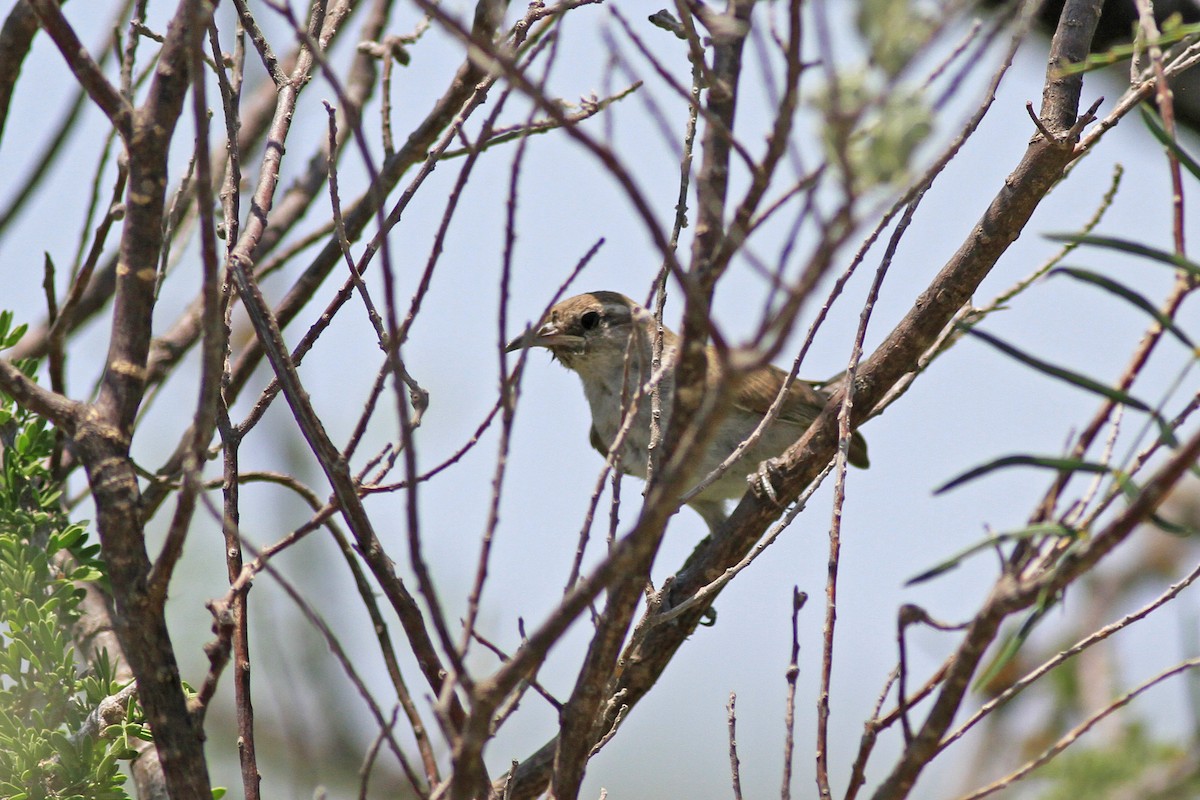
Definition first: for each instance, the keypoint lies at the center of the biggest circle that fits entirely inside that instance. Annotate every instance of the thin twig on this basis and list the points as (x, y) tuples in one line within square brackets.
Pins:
[(364, 772), (1072, 735), (789, 714), (1058, 658), (735, 773)]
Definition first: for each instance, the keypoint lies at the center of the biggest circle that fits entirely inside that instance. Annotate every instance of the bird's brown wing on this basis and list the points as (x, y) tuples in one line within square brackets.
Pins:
[(597, 443), (803, 404)]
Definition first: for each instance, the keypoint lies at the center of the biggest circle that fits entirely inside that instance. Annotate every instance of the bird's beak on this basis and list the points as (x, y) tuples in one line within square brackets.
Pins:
[(546, 336)]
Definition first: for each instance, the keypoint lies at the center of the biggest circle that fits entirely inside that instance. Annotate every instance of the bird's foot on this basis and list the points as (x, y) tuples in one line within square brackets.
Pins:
[(762, 481)]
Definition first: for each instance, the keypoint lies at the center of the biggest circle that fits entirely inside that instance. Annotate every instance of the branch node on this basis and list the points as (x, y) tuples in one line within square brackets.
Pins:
[(1042, 129)]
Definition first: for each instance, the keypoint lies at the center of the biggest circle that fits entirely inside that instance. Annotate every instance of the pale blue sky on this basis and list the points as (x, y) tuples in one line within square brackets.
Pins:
[(972, 406)]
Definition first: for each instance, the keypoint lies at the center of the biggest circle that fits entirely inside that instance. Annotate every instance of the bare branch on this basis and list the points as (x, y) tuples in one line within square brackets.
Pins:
[(86, 70), (735, 772), (1069, 738)]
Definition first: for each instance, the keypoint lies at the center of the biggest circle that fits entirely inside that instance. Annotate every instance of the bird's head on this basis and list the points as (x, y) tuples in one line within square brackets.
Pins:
[(590, 331)]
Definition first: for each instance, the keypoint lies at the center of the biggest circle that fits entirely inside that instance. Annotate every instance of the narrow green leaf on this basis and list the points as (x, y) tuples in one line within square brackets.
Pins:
[(1166, 433), (1125, 50), (1132, 297), (1045, 462), (953, 562), (1132, 248), (1154, 123), (1013, 645), (1131, 490), (1074, 378), (15, 335), (1173, 528)]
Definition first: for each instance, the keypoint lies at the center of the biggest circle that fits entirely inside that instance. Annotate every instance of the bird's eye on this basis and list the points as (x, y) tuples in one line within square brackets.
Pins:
[(589, 320)]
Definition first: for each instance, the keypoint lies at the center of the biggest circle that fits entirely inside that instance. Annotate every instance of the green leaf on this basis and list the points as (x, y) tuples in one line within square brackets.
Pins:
[(1129, 295), (1173, 528), (1154, 123), (1071, 377), (42, 694), (954, 561), (9, 335), (1132, 248), (1013, 645), (1131, 490), (1045, 462), (1171, 33), (65, 539)]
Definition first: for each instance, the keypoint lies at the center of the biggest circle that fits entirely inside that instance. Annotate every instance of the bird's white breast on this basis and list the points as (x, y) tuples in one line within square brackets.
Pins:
[(604, 389), (611, 399)]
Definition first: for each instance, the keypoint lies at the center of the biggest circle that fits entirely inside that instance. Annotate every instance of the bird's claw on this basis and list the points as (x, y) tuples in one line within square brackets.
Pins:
[(762, 480)]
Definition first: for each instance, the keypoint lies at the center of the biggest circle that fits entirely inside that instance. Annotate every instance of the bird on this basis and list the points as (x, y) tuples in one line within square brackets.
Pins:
[(607, 340)]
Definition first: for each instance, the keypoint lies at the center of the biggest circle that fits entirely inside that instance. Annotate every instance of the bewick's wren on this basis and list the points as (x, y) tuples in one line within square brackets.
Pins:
[(608, 340)]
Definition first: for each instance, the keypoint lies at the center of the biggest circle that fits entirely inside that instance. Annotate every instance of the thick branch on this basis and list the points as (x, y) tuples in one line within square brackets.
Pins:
[(103, 431), (1040, 168), (59, 410), (586, 716), (16, 36), (141, 238), (95, 637)]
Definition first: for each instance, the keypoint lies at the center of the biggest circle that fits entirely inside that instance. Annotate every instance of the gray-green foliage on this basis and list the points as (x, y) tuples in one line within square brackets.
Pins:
[(894, 31), (45, 696), (871, 129), (1126, 766), (873, 118)]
